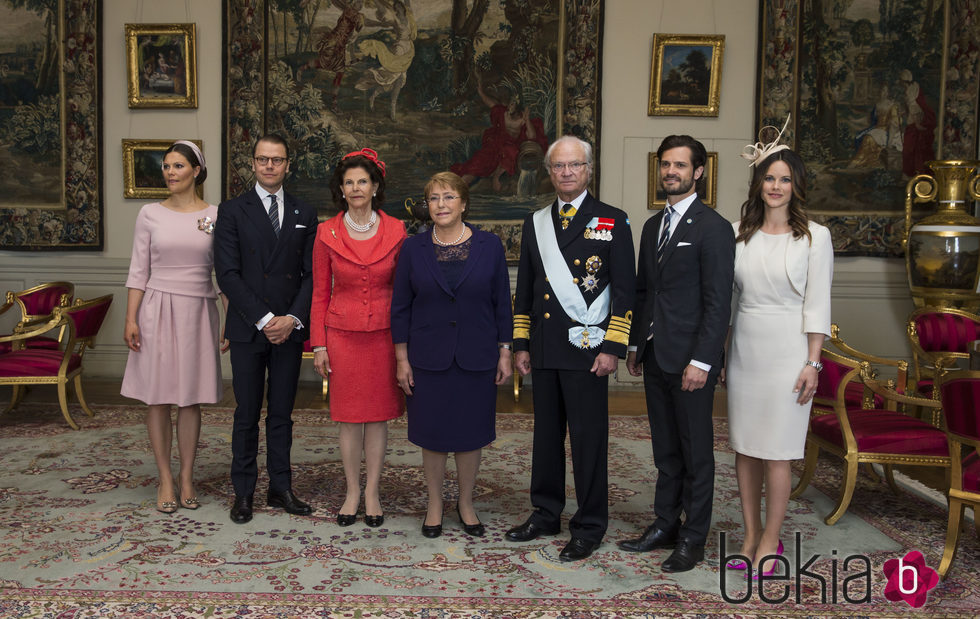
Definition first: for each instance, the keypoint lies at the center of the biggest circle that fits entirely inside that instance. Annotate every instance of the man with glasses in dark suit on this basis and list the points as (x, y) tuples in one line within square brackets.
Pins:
[(263, 256)]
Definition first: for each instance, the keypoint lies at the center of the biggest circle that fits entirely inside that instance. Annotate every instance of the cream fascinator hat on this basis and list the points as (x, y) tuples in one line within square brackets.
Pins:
[(760, 150)]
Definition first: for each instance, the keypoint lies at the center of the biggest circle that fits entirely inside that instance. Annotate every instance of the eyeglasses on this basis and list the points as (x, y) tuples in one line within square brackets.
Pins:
[(276, 161), (434, 200), (575, 166)]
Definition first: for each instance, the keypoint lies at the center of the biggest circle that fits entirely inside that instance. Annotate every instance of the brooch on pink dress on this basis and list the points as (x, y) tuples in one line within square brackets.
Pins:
[(206, 224)]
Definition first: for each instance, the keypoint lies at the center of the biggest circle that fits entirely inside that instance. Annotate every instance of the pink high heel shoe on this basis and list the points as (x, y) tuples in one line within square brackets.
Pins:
[(772, 570)]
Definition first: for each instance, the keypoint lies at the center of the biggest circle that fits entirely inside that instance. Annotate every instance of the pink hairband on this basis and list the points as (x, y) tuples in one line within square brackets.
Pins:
[(197, 152), (367, 153)]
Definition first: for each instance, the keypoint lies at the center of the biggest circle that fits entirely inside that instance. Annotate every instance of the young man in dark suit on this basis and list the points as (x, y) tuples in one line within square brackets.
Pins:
[(263, 256), (572, 305), (677, 339)]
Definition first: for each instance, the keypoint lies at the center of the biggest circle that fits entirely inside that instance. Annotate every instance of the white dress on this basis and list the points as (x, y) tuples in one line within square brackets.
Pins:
[(782, 292)]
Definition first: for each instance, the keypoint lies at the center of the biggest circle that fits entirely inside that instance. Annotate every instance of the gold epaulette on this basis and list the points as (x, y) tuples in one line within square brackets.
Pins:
[(522, 327), (619, 329)]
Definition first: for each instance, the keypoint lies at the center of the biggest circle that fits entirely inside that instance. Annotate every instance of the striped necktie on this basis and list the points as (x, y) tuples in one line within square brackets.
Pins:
[(665, 233), (274, 212)]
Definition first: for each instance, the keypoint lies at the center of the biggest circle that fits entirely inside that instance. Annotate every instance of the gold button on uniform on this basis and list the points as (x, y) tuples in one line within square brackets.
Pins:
[(574, 280), (547, 315), (547, 296), (577, 262)]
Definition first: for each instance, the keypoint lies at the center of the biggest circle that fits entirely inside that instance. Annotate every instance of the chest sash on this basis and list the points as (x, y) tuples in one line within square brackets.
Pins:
[(586, 334)]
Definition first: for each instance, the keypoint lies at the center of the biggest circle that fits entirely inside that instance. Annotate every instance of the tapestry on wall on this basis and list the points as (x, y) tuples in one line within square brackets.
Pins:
[(876, 89), (51, 125), (477, 87)]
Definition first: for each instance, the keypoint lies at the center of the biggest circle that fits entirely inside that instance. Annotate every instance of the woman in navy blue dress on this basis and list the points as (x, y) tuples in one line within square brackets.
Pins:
[(451, 325)]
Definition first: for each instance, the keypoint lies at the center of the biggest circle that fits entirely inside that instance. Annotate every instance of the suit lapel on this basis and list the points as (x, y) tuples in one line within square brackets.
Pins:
[(288, 225), (255, 211), (684, 228), (429, 258), (476, 249)]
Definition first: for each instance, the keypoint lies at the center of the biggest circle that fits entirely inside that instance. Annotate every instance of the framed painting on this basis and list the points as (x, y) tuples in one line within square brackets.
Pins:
[(142, 162), (707, 185), (161, 65), (876, 89), (480, 88), (51, 125), (685, 75)]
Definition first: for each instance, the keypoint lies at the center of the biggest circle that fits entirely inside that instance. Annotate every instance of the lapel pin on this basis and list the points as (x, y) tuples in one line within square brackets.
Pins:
[(689, 221), (296, 212)]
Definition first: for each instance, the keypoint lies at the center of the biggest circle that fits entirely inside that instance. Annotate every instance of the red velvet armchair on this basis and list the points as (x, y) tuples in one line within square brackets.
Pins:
[(20, 367), (856, 394), (36, 305), (881, 435), (939, 333), (960, 394)]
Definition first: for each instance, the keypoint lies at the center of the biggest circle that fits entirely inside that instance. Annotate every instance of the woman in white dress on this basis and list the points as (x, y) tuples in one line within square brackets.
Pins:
[(783, 273), (172, 320)]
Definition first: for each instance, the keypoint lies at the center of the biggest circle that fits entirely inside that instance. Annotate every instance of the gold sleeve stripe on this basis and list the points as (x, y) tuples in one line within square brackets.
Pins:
[(619, 321), (618, 327), (522, 327), (617, 337)]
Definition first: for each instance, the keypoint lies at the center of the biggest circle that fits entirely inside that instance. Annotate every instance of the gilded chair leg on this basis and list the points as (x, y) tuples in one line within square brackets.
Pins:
[(81, 396), (16, 397), (326, 387), (517, 385), (952, 536), (870, 470), (809, 466), (890, 478), (63, 400), (847, 492)]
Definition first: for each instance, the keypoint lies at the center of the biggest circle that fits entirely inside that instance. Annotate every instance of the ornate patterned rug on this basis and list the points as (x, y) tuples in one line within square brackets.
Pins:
[(80, 536)]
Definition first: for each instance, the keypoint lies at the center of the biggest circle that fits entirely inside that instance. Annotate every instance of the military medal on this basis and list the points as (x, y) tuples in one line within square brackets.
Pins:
[(593, 264), (564, 223), (589, 283), (585, 339)]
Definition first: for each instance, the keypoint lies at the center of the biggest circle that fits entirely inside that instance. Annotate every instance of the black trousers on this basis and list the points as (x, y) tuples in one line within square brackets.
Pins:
[(578, 400), (251, 363), (683, 450)]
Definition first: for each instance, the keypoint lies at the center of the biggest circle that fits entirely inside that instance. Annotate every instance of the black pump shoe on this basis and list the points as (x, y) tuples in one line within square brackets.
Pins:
[(345, 520), (431, 531), (476, 530)]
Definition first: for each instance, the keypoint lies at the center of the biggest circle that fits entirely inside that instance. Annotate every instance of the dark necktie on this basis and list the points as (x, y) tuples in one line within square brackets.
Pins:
[(566, 213), (274, 212), (665, 233)]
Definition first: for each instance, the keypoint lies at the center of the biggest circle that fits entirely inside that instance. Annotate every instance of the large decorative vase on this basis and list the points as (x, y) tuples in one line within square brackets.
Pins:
[(942, 251)]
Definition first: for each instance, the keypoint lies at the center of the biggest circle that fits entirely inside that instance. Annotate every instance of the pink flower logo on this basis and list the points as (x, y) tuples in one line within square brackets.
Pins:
[(909, 579)]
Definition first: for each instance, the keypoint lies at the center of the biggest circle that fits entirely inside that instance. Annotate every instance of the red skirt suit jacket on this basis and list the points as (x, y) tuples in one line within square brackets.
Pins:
[(349, 294)]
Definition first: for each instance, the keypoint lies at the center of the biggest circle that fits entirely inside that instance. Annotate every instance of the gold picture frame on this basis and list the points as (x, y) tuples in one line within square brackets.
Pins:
[(161, 62), (707, 185), (142, 176), (685, 75)]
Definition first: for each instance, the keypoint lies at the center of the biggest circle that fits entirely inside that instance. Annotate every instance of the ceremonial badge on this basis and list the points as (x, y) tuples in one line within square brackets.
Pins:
[(593, 264), (589, 283)]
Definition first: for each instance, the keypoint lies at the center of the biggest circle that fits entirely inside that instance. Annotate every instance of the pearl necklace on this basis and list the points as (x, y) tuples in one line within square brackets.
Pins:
[(458, 239), (356, 227)]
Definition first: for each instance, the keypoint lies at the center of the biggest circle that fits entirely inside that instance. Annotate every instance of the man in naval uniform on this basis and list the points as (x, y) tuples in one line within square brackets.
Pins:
[(575, 287)]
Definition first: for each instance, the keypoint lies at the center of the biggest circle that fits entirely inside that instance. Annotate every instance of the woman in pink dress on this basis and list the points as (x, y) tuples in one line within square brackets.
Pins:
[(172, 320)]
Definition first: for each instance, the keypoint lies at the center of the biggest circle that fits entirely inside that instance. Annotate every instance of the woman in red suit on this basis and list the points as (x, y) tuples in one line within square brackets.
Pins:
[(353, 268)]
